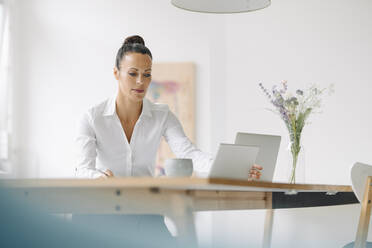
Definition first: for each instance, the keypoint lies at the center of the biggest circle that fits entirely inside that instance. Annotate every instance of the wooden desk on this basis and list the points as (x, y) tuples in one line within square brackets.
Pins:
[(176, 198)]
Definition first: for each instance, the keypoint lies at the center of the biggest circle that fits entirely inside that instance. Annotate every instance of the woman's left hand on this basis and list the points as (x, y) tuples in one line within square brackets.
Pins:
[(255, 172)]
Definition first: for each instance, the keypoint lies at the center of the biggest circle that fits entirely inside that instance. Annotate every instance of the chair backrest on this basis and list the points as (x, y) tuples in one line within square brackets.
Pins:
[(359, 174)]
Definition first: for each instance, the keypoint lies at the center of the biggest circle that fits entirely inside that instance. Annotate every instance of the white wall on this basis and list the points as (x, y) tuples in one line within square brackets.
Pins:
[(65, 52), (65, 57), (303, 42)]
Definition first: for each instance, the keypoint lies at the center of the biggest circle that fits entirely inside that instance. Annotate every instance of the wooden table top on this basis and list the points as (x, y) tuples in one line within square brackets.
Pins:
[(189, 183)]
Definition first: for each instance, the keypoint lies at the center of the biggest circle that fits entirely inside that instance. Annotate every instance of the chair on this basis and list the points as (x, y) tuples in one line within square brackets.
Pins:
[(361, 182)]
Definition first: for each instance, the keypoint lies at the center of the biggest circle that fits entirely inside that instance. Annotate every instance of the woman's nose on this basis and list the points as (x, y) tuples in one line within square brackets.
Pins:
[(139, 80)]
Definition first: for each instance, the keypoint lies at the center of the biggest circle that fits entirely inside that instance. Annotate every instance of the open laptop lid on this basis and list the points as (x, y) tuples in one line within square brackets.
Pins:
[(268, 153), (233, 161)]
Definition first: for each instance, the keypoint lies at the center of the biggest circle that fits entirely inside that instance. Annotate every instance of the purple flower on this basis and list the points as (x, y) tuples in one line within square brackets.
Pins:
[(265, 90), (285, 87)]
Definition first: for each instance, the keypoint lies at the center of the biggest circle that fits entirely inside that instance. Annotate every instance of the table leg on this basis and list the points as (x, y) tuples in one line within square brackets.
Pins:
[(182, 215), (268, 228)]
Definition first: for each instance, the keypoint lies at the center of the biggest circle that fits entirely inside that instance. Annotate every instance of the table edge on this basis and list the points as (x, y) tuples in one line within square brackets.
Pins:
[(162, 182)]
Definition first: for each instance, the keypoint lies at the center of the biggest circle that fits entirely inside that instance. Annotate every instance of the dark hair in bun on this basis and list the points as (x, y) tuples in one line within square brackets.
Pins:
[(134, 44), (134, 39)]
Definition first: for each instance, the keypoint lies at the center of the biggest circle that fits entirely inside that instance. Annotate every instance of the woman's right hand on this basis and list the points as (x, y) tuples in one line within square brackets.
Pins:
[(108, 173)]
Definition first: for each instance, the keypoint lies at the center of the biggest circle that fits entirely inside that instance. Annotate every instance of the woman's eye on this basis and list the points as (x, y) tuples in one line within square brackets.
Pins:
[(147, 75), (133, 74)]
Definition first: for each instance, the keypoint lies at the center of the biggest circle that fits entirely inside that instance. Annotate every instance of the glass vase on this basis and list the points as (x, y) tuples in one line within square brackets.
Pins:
[(296, 164)]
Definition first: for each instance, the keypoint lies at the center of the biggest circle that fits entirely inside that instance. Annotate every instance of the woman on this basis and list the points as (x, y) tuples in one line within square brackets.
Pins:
[(120, 136)]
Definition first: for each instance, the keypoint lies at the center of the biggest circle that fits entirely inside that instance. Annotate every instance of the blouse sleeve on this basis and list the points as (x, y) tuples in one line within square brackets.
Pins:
[(182, 147), (85, 146)]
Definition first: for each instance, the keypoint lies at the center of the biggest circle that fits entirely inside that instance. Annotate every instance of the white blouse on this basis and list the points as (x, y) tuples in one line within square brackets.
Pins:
[(102, 144)]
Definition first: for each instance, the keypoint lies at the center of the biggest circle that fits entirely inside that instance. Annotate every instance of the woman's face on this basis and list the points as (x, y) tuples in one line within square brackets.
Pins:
[(134, 75)]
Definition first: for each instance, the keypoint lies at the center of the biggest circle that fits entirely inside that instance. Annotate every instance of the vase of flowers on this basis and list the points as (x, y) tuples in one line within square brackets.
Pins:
[(294, 110)]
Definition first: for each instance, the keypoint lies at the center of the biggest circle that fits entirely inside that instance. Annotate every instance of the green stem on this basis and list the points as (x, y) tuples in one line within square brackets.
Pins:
[(294, 164)]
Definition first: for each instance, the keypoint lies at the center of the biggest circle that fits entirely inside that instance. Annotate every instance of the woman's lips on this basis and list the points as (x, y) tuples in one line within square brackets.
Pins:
[(138, 91)]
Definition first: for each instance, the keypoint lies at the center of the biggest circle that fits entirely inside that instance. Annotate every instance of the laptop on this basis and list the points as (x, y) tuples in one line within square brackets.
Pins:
[(233, 161), (268, 153)]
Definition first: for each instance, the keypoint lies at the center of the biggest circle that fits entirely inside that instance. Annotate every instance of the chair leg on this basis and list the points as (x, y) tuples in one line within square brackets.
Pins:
[(365, 214)]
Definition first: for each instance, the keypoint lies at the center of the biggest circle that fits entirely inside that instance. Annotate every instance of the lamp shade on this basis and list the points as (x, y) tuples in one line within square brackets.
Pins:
[(221, 6)]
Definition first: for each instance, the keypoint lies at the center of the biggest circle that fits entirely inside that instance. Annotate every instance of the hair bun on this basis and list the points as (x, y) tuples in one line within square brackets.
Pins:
[(133, 40)]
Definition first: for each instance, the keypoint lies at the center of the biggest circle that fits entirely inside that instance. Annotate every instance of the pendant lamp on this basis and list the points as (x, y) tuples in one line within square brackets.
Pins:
[(221, 6)]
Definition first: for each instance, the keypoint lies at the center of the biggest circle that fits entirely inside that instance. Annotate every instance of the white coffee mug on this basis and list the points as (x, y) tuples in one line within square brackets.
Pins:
[(178, 167)]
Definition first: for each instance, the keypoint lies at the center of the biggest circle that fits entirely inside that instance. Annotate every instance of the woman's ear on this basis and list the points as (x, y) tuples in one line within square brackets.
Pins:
[(116, 73)]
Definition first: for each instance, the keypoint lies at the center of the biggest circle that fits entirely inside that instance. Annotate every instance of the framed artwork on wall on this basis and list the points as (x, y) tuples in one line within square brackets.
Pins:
[(174, 84)]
